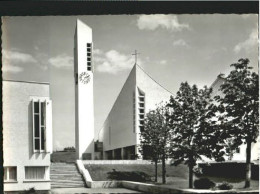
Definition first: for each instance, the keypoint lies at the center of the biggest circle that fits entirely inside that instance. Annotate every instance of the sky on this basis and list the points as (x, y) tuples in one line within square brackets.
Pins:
[(173, 49)]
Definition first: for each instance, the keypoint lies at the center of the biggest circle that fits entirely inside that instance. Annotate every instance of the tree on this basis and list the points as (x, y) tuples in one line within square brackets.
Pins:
[(192, 132), (155, 136), (238, 108)]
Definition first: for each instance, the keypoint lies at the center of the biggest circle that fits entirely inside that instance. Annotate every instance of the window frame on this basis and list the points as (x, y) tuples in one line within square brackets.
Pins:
[(45, 173), (40, 150), (8, 180), (141, 108)]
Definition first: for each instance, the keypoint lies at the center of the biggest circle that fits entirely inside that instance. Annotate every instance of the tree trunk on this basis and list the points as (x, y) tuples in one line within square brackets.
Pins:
[(248, 164), (155, 162), (163, 169), (190, 176)]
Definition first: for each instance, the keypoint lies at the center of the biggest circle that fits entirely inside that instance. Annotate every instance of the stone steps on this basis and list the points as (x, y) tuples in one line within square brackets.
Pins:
[(68, 181), (64, 185), (65, 176), (64, 172), (55, 179), (54, 186)]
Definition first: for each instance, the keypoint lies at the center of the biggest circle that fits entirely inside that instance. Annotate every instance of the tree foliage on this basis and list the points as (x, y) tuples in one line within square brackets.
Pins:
[(239, 107), (193, 125), (192, 132), (240, 103), (156, 136)]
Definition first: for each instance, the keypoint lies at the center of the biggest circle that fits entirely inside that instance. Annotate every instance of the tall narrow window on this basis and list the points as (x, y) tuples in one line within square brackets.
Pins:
[(76, 78), (35, 173), (89, 56), (39, 125), (43, 125), (10, 173), (134, 110), (141, 108), (109, 135)]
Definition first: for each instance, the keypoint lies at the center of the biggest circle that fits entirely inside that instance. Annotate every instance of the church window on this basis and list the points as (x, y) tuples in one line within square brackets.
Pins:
[(141, 98), (141, 105), (35, 173), (134, 111), (109, 135), (141, 108), (10, 173)]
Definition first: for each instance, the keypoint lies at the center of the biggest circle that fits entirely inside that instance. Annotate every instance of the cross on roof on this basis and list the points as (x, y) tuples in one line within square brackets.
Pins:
[(136, 56)]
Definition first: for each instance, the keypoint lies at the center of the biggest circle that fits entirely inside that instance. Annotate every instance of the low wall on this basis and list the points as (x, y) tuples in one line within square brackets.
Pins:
[(142, 187), (149, 188), (116, 162), (83, 171), (104, 184), (95, 184)]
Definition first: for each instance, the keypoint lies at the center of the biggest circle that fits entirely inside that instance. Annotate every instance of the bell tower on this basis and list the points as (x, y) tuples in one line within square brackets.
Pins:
[(84, 104)]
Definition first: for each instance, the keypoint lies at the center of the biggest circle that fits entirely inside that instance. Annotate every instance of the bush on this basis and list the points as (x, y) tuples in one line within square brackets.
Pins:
[(129, 176), (204, 183), (69, 149), (225, 186)]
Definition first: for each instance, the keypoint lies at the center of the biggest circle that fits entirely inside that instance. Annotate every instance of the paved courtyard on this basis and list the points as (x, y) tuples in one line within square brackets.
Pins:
[(92, 190)]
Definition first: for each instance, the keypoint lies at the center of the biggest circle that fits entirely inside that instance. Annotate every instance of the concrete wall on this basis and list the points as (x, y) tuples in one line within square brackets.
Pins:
[(117, 130), (241, 156), (154, 93), (84, 113), (18, 132), (216, 87)]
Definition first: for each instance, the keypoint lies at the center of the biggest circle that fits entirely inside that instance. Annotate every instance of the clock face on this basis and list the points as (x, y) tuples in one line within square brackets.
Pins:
[(84, 77)]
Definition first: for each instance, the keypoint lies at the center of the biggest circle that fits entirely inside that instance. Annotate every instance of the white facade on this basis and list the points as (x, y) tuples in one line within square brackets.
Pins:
[(240, 155), (84, 106), (27, 135), (120, 132)]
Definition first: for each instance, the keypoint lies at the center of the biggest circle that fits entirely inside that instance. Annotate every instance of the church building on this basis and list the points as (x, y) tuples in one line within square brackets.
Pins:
[(121, 129), (27, 120)]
